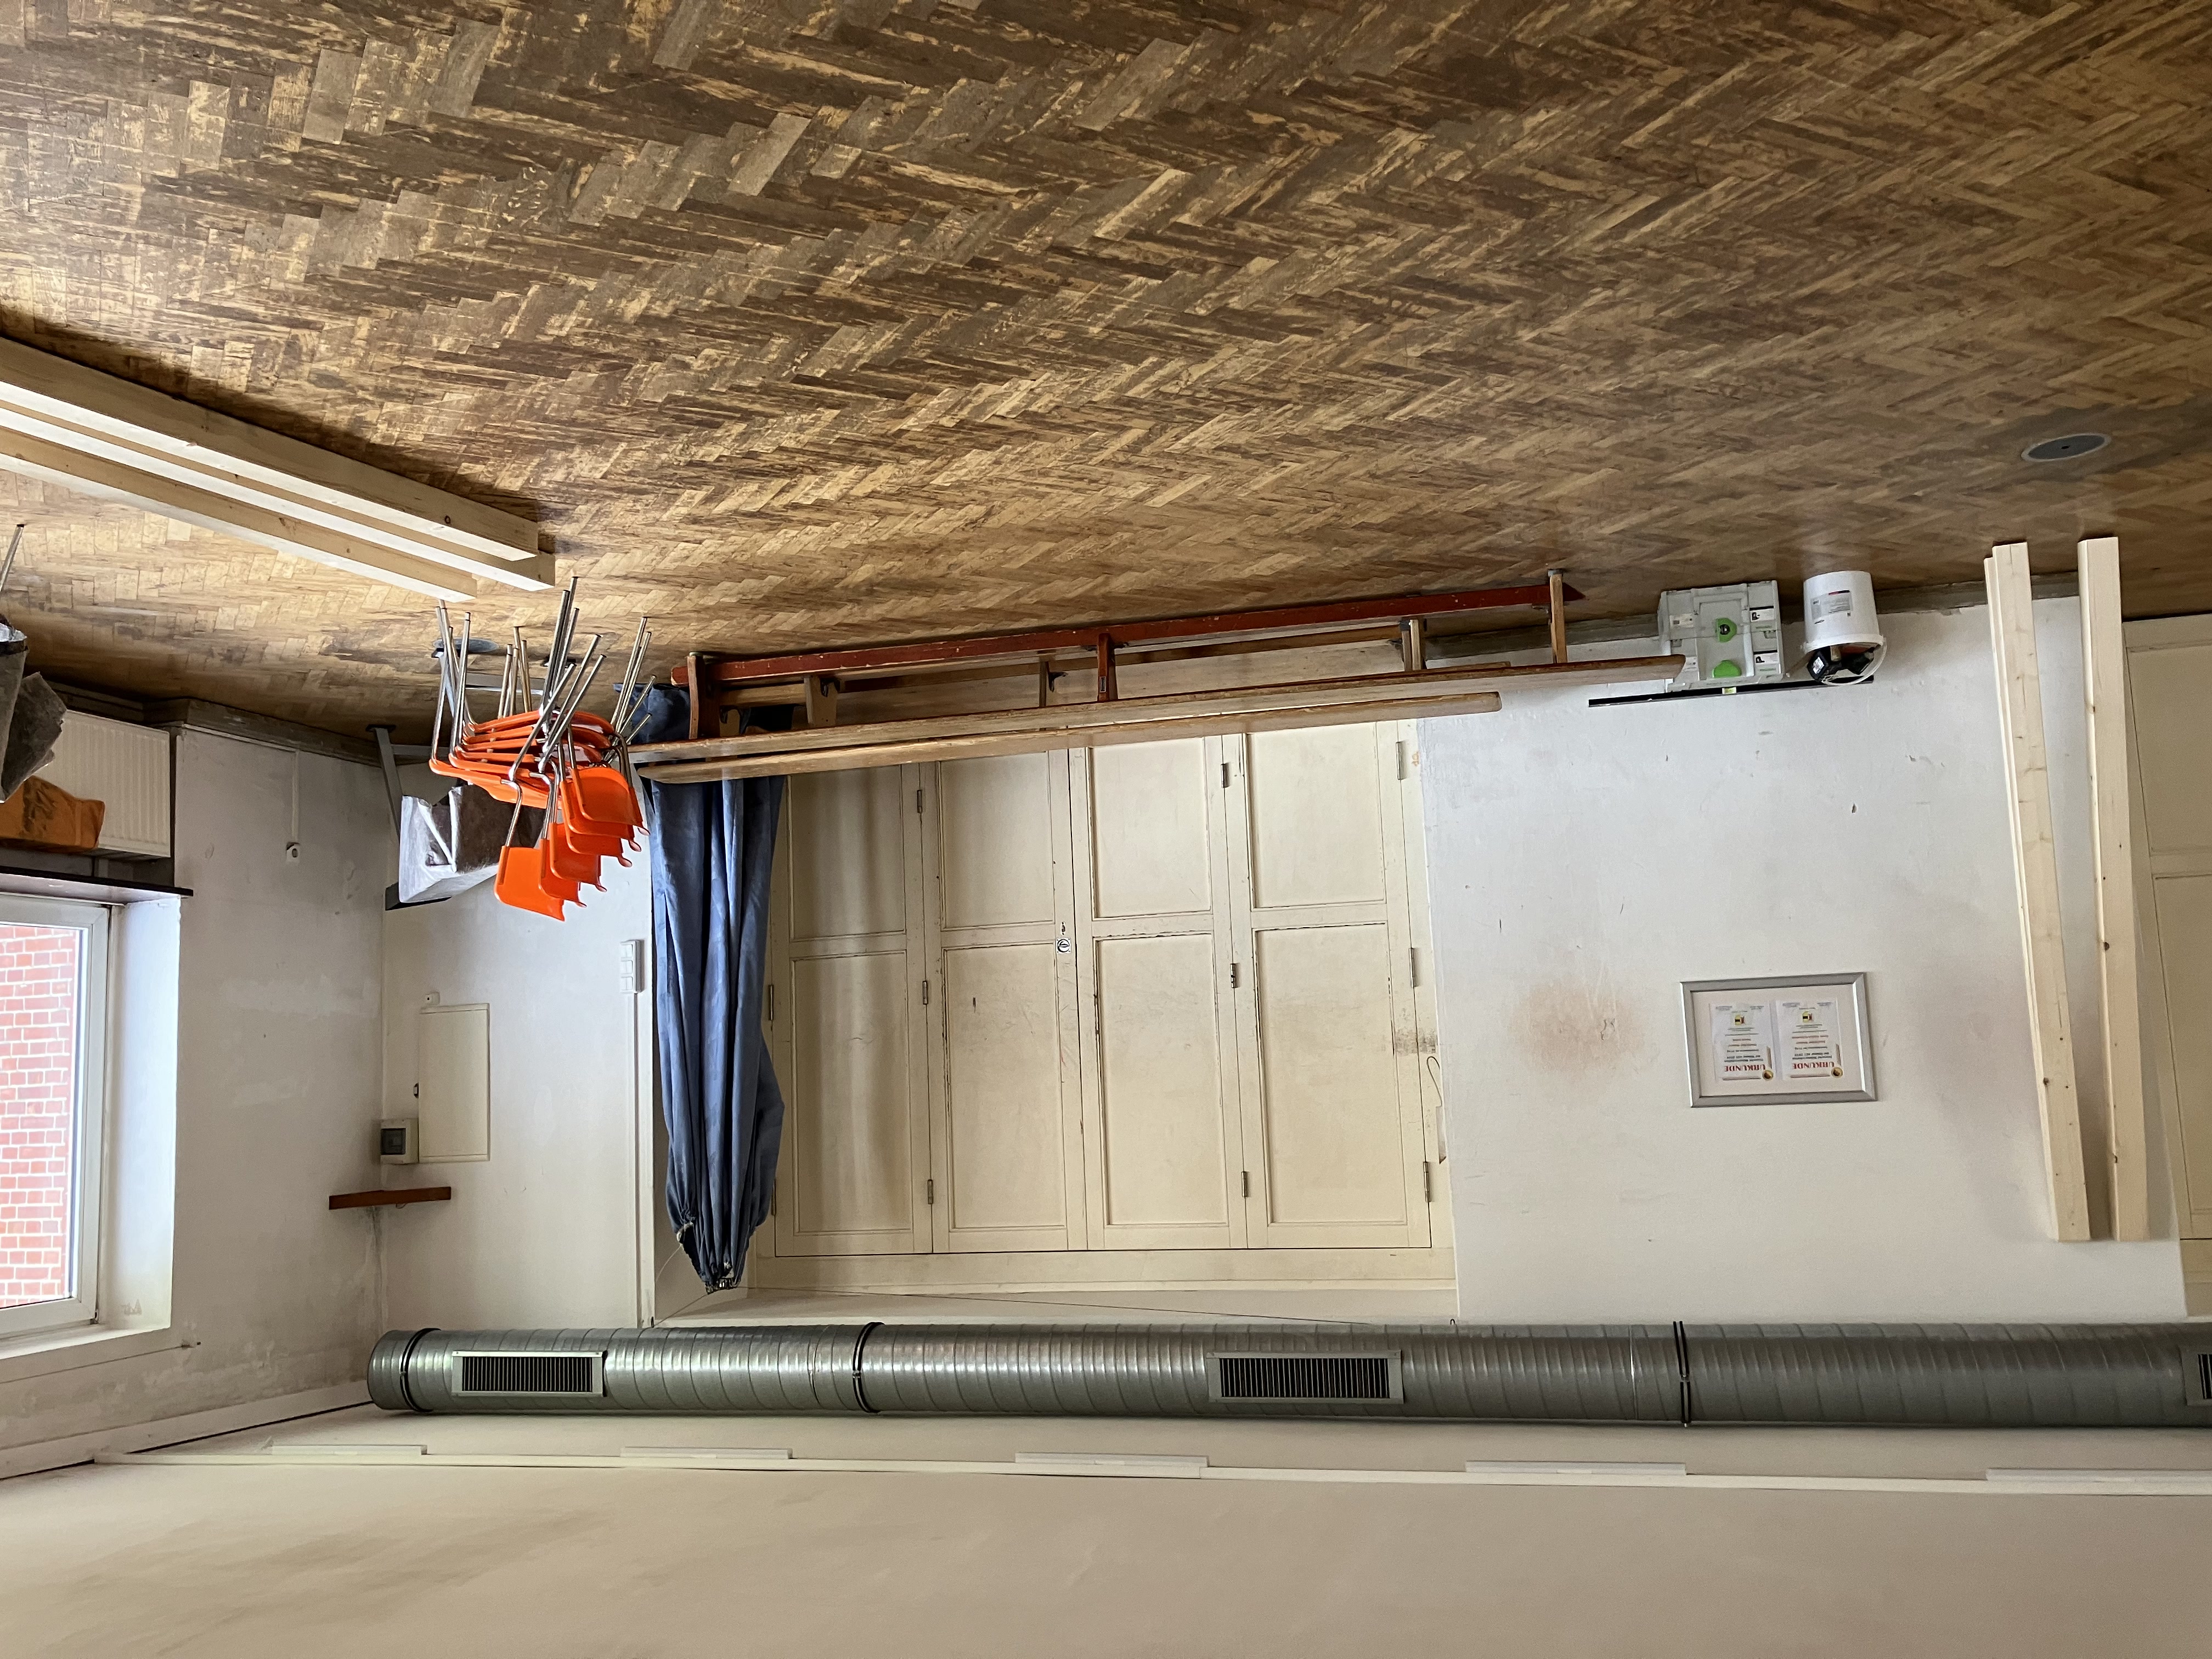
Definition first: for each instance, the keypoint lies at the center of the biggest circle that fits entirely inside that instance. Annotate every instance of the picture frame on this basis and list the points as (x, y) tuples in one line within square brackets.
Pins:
[(1797, 1038)]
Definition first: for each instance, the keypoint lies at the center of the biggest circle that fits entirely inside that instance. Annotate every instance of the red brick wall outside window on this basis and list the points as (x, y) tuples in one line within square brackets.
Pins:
[(37, 1100)]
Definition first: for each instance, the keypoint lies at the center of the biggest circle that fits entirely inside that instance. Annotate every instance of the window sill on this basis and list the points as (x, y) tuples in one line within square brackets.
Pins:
[(44, 1353)]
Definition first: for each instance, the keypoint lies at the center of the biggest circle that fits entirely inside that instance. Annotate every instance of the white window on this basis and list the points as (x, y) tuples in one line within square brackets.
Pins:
[(53, 1044)]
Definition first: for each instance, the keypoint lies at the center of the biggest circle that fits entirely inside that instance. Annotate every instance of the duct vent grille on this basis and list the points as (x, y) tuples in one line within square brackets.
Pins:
[(1289, 1377), (2204, 1379), (528, 1373)]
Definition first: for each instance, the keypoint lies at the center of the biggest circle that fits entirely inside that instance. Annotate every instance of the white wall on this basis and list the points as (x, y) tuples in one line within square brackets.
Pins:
[(543, 1232), (276, 1031), (1583, 862)]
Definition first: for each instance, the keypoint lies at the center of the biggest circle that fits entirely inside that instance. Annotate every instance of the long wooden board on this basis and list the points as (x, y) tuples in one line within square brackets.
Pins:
[(2035, 867), (1386, 696), (126, 441), (2105, 686), (1199, 722)]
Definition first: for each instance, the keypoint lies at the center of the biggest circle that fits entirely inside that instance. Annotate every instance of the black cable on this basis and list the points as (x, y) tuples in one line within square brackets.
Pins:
[(859, 1346), (1682, 1366)]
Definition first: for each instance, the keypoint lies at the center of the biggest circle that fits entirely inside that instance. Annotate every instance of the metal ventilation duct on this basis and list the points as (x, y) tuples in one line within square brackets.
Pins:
[(1976, 1375)]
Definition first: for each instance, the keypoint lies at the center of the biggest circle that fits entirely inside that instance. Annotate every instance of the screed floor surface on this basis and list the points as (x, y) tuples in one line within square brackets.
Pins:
[(287, 1559)]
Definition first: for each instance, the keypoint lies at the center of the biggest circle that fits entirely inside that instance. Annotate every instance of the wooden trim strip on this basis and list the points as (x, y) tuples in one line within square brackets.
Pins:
[(2105, 687), (2035, 866)]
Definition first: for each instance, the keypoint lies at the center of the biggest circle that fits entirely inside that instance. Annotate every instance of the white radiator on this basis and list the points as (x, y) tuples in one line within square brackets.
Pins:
[(125, 765)]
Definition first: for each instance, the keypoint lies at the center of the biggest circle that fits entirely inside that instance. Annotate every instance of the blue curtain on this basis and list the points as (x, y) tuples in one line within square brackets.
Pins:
[(712, 848)]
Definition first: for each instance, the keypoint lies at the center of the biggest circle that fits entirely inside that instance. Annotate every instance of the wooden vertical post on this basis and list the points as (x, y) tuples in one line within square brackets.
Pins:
[(821, 701), (1107, 689), (1413, 643), (2035, 867), (1044, 681), (690, 676), (2104, 685), (1558, 580)]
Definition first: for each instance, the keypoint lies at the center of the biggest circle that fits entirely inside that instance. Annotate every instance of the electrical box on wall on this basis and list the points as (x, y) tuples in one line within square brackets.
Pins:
[(1726, 636), (396, 1141)]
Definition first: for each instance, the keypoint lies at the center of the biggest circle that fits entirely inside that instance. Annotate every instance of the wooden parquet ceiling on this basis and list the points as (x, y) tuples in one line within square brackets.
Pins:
[(815, 322)]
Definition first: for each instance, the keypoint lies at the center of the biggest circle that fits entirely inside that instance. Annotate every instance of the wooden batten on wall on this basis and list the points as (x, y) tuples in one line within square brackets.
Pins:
[(2035, 864)]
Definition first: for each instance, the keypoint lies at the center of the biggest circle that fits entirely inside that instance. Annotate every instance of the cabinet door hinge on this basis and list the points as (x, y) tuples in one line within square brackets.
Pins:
[(1225, 774), (929, 1192), (1413, 964), (1427, 1196), (1247, 1174), (771, 1003), (1233, 975), (917, 803), (925, 994)]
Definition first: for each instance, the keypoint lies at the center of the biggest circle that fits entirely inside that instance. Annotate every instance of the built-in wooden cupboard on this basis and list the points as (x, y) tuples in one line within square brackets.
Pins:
[(1159, 1003), (2170, 689)]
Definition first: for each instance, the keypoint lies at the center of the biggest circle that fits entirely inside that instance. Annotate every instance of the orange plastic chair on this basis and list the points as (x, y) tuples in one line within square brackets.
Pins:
[(600, 798), (521, 882), (567, 860)]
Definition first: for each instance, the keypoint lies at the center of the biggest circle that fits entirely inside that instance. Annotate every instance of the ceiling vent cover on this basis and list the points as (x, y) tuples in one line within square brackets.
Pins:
[(1314, 1378), (2070, 447), (528, 1373)]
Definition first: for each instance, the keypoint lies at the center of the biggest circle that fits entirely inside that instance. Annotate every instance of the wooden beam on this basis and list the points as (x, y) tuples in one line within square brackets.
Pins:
[(1414, 644), (111, 432), (2105, 686), (818, 694), (1385, 696), (1556, 603), (1187, 723), (2035, 867)]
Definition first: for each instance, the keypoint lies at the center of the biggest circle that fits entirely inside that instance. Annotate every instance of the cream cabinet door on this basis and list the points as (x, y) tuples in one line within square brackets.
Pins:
[(2169, 691), (2184, 908), (1005, 1130), (1161, 1165), (845, 1017), (1334, 1133)]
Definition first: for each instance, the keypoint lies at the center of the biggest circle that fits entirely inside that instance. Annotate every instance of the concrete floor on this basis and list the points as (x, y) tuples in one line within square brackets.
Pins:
[(336, 1561)]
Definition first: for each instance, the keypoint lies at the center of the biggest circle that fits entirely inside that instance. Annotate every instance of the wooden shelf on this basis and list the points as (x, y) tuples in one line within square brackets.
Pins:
[(384, 1197)]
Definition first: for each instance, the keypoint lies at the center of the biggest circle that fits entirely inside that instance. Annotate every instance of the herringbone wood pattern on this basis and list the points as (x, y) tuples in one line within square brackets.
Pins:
[(812, 324)]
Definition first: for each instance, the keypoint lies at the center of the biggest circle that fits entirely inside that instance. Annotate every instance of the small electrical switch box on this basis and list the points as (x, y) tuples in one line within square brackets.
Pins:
[(396, 1141)]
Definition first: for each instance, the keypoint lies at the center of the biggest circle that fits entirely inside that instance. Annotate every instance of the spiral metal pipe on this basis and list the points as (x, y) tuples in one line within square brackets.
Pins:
[(1981, 1375)]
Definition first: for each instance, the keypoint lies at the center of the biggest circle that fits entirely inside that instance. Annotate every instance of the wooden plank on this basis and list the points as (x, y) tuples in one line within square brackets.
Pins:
[(1556, 615), (390, 1198), (2035, 866), (731, 671), (1188, 724), (39, 389), (2105, 682), (1393, 696), (50, 463)]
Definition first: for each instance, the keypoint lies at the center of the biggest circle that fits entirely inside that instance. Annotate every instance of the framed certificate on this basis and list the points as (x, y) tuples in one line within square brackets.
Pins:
[(1764, 1041)]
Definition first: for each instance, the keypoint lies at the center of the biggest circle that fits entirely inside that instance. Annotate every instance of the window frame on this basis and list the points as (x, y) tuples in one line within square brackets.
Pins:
[(88, 1141)]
